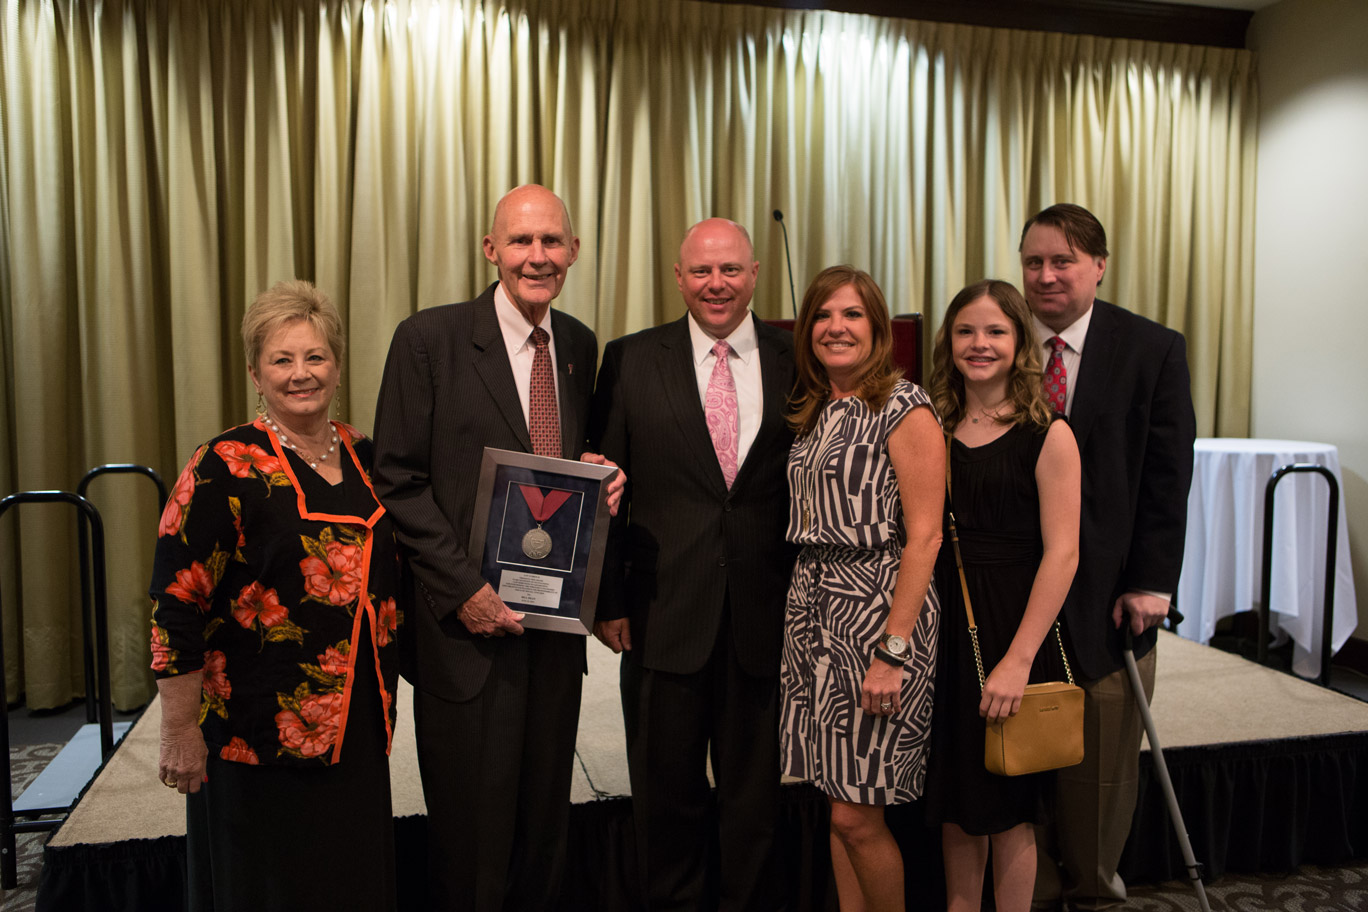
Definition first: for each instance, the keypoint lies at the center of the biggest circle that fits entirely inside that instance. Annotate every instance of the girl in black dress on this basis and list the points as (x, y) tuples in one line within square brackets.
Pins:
[(1015, 495)]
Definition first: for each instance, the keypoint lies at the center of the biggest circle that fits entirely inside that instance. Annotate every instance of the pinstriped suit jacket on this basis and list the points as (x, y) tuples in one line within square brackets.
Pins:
[(682, 541), (447, 393)]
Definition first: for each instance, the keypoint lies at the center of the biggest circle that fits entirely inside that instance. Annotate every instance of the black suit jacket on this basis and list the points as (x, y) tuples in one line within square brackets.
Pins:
[(683, 543), (1132, 416), (447, 393)]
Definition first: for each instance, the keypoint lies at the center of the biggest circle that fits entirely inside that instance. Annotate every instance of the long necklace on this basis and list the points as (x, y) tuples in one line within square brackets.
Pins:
[(304, 455)]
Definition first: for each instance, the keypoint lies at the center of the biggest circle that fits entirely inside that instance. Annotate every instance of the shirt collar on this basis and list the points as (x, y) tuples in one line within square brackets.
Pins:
[(743, 340), (1073, 334), (516, 328)]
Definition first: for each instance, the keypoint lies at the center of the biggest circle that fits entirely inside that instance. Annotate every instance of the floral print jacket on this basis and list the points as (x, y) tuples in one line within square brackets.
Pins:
[(263, 578)]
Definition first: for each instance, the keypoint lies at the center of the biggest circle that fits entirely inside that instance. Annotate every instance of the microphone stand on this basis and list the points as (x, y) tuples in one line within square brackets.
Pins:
[(793, 295)]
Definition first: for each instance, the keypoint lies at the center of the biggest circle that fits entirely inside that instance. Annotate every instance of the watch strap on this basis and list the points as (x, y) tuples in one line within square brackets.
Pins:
[(883, 642), (883, 655)]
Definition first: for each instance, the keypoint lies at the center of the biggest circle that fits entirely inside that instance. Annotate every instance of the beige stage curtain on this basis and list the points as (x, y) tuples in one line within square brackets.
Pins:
[(161, 162)]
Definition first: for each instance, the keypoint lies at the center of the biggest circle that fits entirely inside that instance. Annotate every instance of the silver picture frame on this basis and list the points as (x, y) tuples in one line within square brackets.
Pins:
[(539, 533)]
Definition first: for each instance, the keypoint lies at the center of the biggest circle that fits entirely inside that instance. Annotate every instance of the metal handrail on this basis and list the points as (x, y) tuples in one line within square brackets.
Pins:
[(87, 654), (8, 827), (1331, 543)]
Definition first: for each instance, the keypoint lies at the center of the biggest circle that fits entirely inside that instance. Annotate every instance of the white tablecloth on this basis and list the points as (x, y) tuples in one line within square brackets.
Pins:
[(1223, 556)]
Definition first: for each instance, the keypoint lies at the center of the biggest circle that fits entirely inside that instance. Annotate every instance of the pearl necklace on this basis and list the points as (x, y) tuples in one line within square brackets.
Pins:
[(313, 463)]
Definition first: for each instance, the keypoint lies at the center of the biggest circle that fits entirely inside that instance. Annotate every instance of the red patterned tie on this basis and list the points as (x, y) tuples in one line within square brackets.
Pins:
[(724, 418), (1056, 378), (544, 419)]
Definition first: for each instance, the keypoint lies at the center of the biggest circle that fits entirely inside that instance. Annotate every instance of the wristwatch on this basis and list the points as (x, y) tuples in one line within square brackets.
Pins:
[(893, 649)]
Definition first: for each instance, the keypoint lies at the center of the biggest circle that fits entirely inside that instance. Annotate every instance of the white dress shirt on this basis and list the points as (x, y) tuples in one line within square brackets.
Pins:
[(1072, 356), (745, 370), (517, 335)]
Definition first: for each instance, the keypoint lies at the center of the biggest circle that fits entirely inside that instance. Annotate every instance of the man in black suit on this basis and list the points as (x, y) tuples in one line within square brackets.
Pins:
[(495, 707), (695, 579), (1123, 382)]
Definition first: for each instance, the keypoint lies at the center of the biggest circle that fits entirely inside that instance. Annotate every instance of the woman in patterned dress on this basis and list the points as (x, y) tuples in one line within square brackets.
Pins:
[(866, 481), (1015, 487), (273, 638)]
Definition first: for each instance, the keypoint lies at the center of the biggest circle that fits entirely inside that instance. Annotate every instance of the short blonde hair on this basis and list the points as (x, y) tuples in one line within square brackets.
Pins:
[(287, 301)]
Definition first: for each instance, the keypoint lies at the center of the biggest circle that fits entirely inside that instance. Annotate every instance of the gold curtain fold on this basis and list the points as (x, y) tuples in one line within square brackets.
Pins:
[(161, 162)]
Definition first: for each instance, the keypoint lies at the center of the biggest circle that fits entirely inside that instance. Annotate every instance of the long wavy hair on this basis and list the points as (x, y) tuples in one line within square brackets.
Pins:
[(1024, 389), (878, 374)]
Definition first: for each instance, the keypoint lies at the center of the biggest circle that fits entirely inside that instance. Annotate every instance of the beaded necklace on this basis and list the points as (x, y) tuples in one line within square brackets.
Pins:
[(313, 463)]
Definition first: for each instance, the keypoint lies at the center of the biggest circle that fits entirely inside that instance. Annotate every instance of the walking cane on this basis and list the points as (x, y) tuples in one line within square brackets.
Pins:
[(1161, 770)]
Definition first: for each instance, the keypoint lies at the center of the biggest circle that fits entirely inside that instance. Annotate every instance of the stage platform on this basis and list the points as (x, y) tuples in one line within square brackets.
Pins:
[(1271, 772)]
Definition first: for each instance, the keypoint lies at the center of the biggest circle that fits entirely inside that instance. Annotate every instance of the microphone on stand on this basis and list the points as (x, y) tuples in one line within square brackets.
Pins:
[(793, 296)]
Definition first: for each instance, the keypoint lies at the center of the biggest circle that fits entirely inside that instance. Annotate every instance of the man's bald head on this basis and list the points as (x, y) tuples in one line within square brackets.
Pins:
[(532, 246), (522, 195)]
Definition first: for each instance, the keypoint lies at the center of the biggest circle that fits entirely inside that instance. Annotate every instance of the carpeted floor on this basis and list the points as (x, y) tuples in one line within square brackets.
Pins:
[(1309, 889), (25, 764)]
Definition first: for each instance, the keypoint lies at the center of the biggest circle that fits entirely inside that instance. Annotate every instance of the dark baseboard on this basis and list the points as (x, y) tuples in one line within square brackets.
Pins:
[(1145, 21), (1354, 656), (1243, 629)]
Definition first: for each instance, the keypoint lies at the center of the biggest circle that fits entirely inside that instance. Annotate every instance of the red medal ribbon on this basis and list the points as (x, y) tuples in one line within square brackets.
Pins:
[(543, 506)]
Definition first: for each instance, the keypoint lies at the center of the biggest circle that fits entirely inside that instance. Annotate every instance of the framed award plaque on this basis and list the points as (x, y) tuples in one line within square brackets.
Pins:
[(539, 532)]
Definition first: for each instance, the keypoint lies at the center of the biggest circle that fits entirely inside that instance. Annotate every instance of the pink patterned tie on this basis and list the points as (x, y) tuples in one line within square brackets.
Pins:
[(723, 417), (1056, 379), (544, 417)]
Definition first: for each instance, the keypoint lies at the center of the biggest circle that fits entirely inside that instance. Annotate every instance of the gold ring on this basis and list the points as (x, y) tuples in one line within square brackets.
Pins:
[(169, 783)]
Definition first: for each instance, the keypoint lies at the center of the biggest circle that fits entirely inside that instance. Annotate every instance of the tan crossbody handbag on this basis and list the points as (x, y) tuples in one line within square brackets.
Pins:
[(1047, 732)]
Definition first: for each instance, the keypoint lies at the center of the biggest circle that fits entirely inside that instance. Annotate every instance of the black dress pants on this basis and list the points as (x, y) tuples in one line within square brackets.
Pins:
[(675, 723), (496, 773)]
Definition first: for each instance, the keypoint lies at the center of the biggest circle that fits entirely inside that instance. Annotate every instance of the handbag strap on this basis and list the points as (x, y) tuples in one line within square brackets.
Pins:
[(964, 583)]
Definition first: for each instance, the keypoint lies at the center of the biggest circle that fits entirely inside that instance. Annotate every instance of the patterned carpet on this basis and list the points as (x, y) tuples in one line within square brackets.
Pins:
[(25, 765), (1309, 889)]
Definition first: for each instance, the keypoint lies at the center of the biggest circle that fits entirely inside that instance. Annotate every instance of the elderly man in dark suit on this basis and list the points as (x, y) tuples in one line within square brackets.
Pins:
[(495, 706), (696, 578), (1123, 382)]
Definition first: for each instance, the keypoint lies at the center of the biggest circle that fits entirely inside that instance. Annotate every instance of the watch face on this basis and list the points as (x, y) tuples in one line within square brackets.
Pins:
[(895, 644)]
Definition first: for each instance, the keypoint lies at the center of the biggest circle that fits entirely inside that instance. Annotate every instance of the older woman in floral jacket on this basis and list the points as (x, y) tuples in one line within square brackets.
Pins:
[(273, 637)]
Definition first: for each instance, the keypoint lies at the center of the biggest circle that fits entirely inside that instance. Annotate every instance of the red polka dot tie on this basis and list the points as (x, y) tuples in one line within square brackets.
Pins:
[(1056, 378), (543, 417)]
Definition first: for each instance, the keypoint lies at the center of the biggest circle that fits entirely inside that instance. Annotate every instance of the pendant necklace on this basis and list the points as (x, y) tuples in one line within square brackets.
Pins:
[(993, 416)]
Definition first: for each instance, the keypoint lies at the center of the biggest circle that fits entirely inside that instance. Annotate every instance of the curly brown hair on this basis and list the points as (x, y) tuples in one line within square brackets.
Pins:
[(878, 374), (1024, 389)]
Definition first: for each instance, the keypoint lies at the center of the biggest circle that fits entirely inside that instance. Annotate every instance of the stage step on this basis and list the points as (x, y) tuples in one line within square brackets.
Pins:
[(61, 781)]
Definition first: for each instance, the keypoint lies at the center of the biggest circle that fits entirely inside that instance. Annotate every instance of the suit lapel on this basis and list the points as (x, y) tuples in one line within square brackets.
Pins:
[(565, 393), (1099, 354), (680, 382), (491, 363)]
